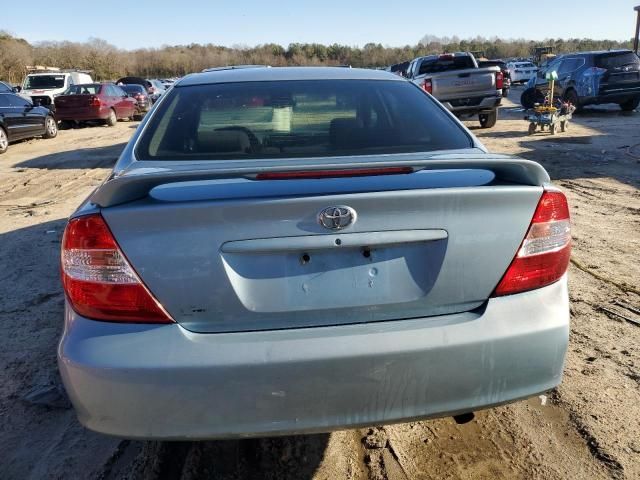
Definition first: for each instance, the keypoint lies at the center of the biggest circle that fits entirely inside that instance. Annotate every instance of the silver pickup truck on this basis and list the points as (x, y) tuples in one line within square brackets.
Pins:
[(460, 85)]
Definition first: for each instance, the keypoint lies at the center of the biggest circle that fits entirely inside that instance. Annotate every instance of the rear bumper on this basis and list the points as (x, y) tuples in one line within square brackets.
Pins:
[(88, 113), (472, 105), (165, 382)]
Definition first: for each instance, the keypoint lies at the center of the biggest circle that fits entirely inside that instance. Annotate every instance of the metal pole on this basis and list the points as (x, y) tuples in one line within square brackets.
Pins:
[(635, 39)]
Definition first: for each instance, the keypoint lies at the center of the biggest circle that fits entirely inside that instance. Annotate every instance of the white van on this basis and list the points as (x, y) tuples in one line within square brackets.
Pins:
[(46, 86)]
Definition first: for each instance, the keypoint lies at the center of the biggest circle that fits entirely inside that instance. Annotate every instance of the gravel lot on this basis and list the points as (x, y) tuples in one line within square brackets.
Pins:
[(587, 428)]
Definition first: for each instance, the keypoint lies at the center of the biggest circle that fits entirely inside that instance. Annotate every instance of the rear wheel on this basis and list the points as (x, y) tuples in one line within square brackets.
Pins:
[(4, 141), (530, 97), (50, 128), (112, 119), (630, 105), (488, 120)]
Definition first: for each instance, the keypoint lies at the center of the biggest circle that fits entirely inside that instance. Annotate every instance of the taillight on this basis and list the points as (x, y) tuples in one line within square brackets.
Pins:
[(95, 102), (99, 281), (499, 80), (543, 257), (317, 174), (427, 85)]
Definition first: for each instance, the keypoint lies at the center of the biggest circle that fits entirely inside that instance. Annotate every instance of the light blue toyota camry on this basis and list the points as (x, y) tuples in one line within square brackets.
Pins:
[(293, 250)]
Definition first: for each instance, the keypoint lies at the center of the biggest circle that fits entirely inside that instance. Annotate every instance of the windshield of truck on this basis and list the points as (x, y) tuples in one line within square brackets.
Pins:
[(35, 82), (445, 63), (317, 118)]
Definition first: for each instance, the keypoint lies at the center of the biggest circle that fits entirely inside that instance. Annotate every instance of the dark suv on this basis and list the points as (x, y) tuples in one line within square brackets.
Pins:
[(589, 78)]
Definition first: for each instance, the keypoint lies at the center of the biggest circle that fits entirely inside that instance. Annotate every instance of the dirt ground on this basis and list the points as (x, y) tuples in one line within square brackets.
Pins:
[(587, 428)]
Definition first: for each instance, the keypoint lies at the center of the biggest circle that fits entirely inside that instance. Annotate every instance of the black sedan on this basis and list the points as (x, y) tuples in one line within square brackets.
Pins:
[(20, 119)]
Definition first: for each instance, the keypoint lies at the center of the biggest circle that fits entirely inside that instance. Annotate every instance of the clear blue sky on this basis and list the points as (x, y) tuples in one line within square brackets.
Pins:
[(132, 24)]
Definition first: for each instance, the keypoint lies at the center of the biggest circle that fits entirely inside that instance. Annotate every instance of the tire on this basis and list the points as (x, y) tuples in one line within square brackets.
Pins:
[(138, 117), (630, 105), (488, 120), (4, 141), (530, 97), (552, 129), (571, 96), (50, 128), (564, 125), (532, 128), (112, 119)]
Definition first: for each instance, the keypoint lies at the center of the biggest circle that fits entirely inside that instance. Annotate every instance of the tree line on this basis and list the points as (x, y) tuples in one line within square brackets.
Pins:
[(109, 62)]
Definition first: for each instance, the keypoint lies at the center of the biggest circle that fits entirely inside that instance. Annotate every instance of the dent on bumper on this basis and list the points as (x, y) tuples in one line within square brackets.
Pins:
[(166, 382)]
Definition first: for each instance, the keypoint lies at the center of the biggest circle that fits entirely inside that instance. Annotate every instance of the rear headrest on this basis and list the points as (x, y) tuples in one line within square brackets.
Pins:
[(224, 141)]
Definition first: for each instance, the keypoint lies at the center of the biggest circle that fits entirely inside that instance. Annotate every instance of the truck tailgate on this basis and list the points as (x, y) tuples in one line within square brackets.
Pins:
[(465, 83)]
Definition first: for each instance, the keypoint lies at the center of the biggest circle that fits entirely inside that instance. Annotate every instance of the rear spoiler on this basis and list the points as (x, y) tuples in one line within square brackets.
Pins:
[(137, 181)]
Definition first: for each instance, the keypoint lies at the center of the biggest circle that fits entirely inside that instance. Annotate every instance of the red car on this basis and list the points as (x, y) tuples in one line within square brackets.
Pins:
[(94, 101)]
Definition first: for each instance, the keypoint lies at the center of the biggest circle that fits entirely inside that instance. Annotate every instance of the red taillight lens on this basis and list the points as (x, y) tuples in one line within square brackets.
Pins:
[(314, 174), (543, 257), (95, 102), (427, 86), (99, 281), (499, 80)]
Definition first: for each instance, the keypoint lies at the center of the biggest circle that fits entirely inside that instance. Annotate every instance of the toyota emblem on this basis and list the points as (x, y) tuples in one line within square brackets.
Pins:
[(337, 218)]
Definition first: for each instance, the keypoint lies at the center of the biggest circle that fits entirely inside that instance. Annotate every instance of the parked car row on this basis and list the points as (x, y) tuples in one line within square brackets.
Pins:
[(95, 101), (154, 87)]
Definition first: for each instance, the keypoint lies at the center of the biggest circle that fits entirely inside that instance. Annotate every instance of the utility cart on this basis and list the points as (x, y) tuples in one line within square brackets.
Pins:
[(552, 114)]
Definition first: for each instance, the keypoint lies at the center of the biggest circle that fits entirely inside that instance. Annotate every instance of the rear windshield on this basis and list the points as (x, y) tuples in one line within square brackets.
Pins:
[(490, 63), (33, 82), (617, 60), (318, 118), (446, 63), (132, 88), (90, 89), (525, 65)]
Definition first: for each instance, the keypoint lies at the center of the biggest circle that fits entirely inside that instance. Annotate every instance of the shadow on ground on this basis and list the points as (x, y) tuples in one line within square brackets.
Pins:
[(41, 436), (98, 157), (602, 151), (278, 458)]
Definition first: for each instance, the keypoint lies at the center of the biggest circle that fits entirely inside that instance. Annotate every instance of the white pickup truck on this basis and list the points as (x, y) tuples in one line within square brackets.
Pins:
[(43, 87), (460, 85)]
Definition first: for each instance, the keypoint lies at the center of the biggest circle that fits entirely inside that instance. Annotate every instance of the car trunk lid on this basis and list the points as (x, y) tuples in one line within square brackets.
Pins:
[(238, 254)]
